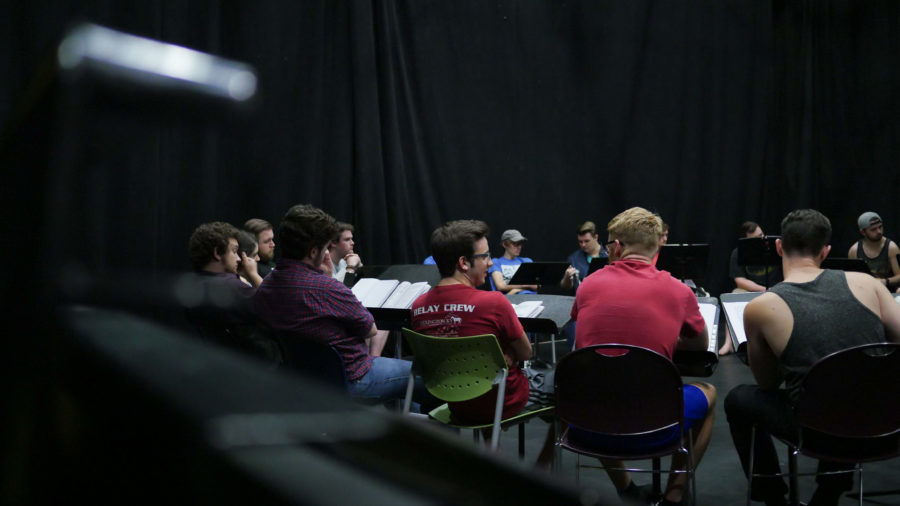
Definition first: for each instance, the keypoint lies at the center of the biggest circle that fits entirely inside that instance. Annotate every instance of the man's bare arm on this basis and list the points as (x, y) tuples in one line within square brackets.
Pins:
[(519, 349), (762, 360), (746, 284), (890, 314), (695, 343)]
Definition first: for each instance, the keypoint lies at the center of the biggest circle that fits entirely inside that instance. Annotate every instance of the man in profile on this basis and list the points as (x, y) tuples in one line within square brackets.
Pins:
[(879, 252), (265, 236), (298, 297), (222, 311), (631, 302), (814, 313), (345, 262), (456, 307)]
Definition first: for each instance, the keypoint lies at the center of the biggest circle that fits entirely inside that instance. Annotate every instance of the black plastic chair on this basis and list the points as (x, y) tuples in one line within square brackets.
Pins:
[(304, 355), (617, 390), (847, 411)]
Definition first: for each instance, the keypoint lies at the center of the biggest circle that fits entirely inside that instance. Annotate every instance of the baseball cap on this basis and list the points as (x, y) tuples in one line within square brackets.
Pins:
[(867, 219), (512, 235)]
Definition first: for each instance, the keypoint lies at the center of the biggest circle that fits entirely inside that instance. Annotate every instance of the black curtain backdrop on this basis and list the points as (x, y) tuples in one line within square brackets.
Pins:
[(535, 115)]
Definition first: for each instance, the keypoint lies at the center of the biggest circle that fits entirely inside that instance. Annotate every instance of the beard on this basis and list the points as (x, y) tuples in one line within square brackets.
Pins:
[(267, 256)]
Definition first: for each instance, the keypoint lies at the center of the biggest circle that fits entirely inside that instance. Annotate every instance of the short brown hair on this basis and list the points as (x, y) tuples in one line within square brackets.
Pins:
[(805, 232), (208, 239), (456, 239), (257, 225), (638, 227), (341, 227), (747, 228), (587, 227), (303, 228)]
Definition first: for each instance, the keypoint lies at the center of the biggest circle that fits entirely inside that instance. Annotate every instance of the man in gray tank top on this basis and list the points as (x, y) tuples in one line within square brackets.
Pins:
[(879, 252), (811, 314)]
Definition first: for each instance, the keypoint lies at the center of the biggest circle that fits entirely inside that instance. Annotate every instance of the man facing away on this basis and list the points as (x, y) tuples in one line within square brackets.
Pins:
[(455, 307), (631, 302), (265, 236), (297, 296), (879, 252), (813, 313)]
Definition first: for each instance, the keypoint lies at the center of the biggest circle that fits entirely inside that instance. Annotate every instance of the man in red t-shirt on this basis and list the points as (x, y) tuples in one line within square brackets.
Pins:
[(631, 302), (455, 307)]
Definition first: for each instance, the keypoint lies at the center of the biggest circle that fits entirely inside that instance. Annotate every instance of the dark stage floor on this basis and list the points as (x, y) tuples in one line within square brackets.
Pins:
[(719, 477)]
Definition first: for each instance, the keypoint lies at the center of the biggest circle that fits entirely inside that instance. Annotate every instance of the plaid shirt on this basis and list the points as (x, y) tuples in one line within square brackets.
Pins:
[(295, 296)]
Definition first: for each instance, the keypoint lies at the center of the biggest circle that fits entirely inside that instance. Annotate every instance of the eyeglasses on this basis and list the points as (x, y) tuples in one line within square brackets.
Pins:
[(607, 243), (482, 255)]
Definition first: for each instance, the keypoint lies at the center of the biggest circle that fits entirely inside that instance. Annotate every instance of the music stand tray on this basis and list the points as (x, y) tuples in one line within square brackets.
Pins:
[(846, 264), (597, 264), (539, 273), (758, 251), (684, 261)]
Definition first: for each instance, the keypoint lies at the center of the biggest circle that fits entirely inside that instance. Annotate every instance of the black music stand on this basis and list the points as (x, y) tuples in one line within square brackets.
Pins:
[(539, 273), (759, 251), (684, 261), (597, 264), (846, 264)]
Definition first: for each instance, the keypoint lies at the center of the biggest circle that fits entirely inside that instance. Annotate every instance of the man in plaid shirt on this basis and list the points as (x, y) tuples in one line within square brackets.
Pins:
[(297, 296)]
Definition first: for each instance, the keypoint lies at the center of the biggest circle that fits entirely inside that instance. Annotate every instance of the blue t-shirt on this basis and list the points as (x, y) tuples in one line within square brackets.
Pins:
[(507, 268)]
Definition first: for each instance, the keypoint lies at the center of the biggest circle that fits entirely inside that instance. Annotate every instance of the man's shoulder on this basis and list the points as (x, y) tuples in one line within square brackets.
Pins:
[(892, 246)]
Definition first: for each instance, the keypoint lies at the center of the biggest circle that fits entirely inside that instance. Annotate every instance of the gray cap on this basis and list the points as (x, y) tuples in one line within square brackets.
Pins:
[(513, 235), (867, 219)]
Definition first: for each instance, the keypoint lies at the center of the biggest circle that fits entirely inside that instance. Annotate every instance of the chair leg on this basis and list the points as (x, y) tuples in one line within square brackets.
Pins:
[(657, 478), (752, 455), (521, 441), (792, 468), (859, 470), (692, 470)]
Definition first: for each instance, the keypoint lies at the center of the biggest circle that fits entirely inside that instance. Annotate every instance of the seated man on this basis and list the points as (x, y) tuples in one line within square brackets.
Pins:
[(223, 312), (455, 307), (631, 302), (297, 296), (813, 313), (879, 252), (749, 278), (505, 267), (345, 262), (579, 261), (262, 230)]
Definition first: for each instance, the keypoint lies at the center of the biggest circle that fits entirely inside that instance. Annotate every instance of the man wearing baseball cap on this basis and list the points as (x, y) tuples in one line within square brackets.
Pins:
[(506, 266), (879, 252)]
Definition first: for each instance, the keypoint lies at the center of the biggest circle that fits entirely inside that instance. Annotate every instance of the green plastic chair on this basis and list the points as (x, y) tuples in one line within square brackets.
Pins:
[(462, 368)]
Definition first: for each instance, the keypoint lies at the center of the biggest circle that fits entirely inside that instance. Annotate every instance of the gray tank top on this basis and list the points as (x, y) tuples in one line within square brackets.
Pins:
[(827, 318)]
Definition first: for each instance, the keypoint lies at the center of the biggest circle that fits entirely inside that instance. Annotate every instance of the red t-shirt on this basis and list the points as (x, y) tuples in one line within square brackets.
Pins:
[(460, 310), (632, 302)]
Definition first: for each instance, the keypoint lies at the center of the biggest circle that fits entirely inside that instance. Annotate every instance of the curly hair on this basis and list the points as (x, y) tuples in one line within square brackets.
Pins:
[(208, 239)]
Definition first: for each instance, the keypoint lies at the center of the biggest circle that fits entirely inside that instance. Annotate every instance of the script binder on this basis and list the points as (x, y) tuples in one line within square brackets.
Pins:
[(388, 293)]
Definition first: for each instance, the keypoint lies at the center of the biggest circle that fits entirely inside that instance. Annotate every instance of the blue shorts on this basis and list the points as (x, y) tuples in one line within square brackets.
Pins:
[(695, 407)]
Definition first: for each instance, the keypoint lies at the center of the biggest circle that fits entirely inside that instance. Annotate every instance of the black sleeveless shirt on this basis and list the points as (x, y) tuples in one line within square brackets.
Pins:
[(827, 318), (879, 265)]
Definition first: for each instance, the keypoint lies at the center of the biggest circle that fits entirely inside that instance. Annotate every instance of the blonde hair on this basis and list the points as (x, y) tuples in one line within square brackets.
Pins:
[(637, 227)]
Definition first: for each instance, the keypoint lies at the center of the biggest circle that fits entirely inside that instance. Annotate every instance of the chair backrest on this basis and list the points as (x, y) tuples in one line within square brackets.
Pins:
[(457, 368), (853, 393), (310, 357), (618, 389)]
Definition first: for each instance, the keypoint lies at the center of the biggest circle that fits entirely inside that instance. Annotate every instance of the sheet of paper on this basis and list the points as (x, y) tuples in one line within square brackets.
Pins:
[(708, 311), (372, 292), (528, 308), (734, 311)]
